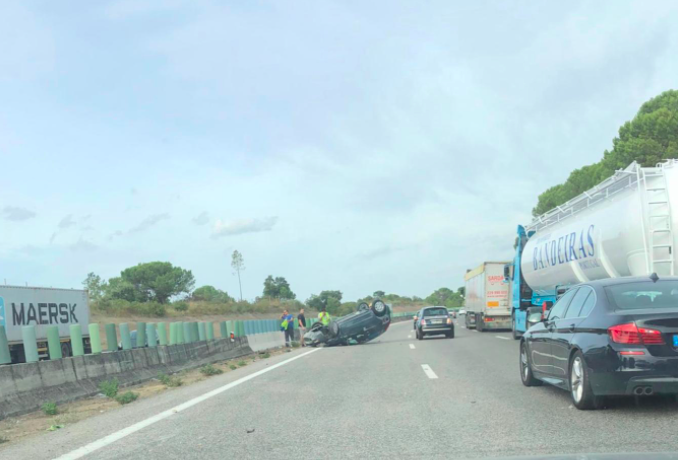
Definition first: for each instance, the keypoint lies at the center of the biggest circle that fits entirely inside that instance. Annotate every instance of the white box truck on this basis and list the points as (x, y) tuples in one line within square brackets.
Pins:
[(487, 297), (42, 307)]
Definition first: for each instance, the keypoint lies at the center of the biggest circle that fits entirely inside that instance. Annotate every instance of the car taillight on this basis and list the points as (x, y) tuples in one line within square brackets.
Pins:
[(631, 334), (423, 322), (449, 320), (487, 320)]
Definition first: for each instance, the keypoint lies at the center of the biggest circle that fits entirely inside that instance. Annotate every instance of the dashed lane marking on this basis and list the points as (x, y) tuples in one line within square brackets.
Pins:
[(428, 371)]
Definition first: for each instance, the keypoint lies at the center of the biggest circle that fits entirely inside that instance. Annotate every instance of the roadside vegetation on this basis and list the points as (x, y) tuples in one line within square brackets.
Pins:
[(160, 289), (50, 408), (652, 136)]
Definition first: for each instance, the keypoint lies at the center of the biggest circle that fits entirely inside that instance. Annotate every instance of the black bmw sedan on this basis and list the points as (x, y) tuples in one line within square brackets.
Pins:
[(609, 337)]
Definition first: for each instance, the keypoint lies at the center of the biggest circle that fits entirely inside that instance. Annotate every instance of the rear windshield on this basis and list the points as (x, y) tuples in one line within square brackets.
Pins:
[(644, 294), (435, 312)]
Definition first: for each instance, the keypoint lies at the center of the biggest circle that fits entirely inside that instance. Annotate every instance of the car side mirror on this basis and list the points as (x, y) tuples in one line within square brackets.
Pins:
[(534, 318), (415, 318)]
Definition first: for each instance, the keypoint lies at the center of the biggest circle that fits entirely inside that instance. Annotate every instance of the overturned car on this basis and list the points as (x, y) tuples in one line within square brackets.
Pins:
[(363, 325)]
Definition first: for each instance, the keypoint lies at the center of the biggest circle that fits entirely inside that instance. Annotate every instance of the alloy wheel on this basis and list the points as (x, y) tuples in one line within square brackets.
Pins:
[(577, 379)]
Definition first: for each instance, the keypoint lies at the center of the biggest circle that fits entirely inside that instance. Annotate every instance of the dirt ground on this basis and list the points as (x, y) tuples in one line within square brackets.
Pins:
[(16, 428)]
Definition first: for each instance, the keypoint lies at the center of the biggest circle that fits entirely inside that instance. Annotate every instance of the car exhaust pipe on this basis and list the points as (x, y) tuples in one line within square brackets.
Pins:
[(648, 390), (638, 391)]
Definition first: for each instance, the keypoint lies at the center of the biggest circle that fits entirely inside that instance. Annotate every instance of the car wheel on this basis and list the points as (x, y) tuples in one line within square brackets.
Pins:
[(514, 333), (450, 335), (526, 376), (420, 335), (334, 328), (379, 308), (580, 386)]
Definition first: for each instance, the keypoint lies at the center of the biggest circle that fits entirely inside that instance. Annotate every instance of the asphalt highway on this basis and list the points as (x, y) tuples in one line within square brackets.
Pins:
[(396, 397)]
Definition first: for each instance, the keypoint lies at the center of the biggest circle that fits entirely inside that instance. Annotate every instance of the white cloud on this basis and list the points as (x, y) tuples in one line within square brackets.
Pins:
[(83, 245), (67, 222), (201, 219), (149, 222), (238, 227), (17, 214)]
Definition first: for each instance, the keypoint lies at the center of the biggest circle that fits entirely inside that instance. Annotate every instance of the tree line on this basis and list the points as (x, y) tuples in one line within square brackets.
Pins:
[(651, 137), (150, 288)]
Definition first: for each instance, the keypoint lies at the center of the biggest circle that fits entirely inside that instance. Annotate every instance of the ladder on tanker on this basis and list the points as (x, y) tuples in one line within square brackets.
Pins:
[(657, 210)]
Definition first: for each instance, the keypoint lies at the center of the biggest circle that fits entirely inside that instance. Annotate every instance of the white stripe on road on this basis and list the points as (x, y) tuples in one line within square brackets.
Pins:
[(118, 435), (412, 346), (428, 371), (463, 327), (501, 337), (409, 336)]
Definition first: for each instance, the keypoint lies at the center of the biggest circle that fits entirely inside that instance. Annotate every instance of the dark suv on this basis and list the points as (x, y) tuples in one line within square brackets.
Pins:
[(367, 323), (434, 321)]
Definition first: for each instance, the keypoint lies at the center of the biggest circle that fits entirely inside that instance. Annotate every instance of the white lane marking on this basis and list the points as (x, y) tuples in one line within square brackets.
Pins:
[(412, 346), (463, 327), (409, 336), (501, 337), (118, 435), (428, 371)]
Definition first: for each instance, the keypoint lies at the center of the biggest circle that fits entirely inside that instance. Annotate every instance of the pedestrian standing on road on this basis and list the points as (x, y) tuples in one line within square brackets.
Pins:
[(287, 326), (324, 317), (301, 321)]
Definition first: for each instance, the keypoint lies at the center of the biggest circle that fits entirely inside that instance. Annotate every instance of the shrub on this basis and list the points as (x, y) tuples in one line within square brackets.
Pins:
[(49, 408), (109, 388), (180, 306), (266, 355), (209, 370), (170, 382), (233, 367), (296, 344), (126, 398), (242, 363), (3, 440)]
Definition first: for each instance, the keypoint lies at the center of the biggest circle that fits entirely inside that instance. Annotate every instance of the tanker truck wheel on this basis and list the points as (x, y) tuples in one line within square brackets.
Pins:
[(514, 333), (479, 323)]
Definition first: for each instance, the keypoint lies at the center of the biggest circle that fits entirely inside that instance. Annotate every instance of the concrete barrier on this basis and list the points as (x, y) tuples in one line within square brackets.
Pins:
[(266, 340), (25, 387)]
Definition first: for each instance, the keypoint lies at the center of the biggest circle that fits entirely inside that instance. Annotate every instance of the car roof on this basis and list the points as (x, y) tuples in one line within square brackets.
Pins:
[(433, 306)]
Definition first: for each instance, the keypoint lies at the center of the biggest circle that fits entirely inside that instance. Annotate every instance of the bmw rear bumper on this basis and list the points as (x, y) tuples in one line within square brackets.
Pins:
[(640, 376)]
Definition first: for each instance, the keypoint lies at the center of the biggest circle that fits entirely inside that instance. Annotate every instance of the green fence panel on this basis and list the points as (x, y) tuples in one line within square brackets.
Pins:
[(151, 335), (181, 338), (5, 356), (202, 331), (94, 338), (162, 334), (125, 337), (230, 327), (210, 330), (111, 337), (53, 342), (186, 327), (76, 340), (223, 332), (141, 334), (173, 333), (30, 343)]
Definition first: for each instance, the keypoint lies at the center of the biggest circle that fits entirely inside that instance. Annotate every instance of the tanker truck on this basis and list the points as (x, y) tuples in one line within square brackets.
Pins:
[(42, 307), (621, 227)]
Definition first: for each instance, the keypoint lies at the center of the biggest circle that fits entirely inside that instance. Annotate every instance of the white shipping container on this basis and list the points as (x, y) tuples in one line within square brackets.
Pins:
[(42, 307)]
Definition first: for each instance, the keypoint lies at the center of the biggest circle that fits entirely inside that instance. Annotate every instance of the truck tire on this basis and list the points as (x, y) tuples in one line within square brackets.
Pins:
[(65, 349), (479, 323)]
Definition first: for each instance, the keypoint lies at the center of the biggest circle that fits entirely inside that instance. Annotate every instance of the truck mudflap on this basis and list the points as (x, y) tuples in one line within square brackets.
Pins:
[(470, 320)]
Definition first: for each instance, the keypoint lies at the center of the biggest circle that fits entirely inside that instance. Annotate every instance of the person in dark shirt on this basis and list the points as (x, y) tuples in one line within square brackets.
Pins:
[(301, 322)]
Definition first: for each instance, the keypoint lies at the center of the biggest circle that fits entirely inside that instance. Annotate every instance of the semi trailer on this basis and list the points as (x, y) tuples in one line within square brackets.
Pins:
[(42, 307), (621, 227), (487, 299)]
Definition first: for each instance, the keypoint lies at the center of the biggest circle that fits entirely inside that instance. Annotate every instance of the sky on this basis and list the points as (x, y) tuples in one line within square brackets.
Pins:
[(345, 145)]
